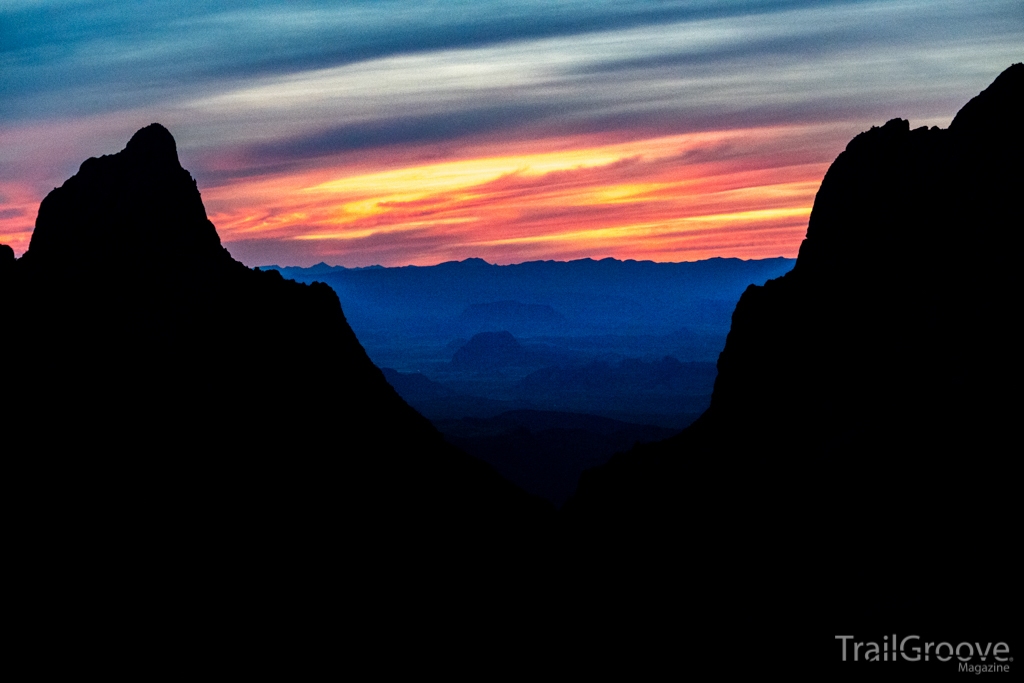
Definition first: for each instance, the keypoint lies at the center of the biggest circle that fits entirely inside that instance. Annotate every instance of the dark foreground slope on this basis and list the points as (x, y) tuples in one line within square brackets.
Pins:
[(138, 423), (860, 446)]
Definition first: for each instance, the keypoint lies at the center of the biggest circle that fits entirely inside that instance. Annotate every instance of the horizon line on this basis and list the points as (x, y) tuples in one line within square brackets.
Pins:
[(523, 263)]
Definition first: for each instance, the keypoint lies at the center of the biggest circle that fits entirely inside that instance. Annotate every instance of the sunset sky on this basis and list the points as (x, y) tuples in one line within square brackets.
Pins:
[(415, 132)]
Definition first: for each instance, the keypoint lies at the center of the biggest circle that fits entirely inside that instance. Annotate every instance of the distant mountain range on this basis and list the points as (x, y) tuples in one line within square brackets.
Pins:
[(633, 341), (574, 298), (547, 335)]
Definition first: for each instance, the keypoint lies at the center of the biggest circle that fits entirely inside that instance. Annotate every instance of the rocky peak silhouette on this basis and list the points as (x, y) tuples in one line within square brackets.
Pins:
[(868, 387), (154, 147), (997, 110), (138, 209), (168, 400)]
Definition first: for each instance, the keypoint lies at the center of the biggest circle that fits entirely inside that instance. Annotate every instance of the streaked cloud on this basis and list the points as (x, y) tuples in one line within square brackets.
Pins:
[(269, 100), (674, 198)]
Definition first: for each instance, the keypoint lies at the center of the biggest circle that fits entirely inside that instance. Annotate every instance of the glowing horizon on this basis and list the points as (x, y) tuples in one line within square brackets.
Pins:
[(625, 200)]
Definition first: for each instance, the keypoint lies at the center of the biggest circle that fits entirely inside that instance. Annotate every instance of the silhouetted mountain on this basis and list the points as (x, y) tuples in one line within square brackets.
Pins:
[(857, 439), (490, 350), (168, 401)]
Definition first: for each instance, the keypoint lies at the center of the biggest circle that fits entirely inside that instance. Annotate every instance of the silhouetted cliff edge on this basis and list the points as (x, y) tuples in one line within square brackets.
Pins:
[(144, 418), (859, 447)]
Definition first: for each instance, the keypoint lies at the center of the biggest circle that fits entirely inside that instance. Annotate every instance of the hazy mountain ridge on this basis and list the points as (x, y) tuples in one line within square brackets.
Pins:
[(558, 321), (594, 297), (493, 373)]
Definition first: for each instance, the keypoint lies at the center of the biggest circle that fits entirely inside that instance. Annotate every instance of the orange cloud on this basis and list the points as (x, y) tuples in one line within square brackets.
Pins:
[(681, 197)]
